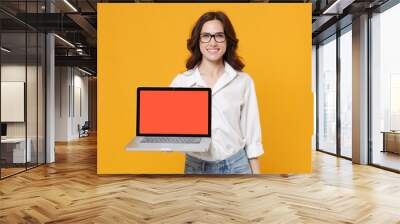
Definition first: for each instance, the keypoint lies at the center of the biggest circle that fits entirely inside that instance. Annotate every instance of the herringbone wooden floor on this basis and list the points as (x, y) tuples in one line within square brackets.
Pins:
[(69, 191)]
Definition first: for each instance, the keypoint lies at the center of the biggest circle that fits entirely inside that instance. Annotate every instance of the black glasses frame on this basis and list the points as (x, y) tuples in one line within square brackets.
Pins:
[(212, 36)]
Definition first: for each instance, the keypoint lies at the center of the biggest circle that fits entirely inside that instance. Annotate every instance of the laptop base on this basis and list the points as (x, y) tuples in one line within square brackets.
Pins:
[(135, 145)]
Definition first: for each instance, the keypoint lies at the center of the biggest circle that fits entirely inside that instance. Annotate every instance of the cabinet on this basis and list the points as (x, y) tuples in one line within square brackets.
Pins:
[(13, 150), (391, 142)]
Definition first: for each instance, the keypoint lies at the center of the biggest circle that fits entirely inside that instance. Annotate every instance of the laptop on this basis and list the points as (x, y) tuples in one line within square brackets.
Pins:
[(172, 119)]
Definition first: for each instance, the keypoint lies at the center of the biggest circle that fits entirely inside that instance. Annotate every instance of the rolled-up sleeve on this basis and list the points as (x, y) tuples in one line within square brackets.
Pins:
[(250, 122)]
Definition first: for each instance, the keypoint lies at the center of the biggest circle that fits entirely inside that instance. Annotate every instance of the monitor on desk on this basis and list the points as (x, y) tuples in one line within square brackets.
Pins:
[(3, 130)]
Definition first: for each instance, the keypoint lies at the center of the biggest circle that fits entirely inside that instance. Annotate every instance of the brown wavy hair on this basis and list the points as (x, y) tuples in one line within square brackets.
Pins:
[(232, 42)]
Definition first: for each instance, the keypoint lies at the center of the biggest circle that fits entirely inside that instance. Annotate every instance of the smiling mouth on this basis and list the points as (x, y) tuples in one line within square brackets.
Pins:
[(215, 50)]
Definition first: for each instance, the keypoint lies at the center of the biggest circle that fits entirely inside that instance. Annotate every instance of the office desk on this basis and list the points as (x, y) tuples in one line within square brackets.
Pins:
[(391, 141), (13, 150)]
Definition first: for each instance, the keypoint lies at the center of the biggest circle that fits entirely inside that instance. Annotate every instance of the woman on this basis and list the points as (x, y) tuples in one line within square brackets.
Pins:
[(236, 134)]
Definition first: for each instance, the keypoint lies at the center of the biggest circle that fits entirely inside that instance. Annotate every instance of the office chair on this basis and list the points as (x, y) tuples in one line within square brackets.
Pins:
[(84, 130)]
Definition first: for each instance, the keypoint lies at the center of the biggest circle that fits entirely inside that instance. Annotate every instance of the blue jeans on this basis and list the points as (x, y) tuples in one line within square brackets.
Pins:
[(235, 164)]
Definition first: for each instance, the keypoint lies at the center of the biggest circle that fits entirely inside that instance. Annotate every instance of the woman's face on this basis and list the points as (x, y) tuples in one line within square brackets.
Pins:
[(212, 41)]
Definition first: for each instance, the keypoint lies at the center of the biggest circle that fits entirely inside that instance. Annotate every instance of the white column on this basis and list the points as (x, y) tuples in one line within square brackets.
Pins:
[(50, 92), (50, 100)]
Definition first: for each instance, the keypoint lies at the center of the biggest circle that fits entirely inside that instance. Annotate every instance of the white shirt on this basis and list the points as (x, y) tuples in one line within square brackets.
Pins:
[(235, 122)]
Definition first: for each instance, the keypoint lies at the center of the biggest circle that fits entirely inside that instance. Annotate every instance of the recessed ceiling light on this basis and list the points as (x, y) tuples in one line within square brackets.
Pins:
[(64, 40), (84, 71), (70, 5), (337, 7), (5, 50)]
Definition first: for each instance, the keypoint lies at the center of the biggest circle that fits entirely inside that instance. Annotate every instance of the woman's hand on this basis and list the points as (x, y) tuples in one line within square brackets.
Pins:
[(255, 166)]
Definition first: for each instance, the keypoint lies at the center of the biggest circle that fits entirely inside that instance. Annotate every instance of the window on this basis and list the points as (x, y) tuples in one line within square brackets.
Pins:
[(385, 88), (346, 93), (327, 95)]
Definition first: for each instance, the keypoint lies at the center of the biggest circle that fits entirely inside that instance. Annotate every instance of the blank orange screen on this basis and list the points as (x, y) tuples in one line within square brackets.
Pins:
[(173, 112)]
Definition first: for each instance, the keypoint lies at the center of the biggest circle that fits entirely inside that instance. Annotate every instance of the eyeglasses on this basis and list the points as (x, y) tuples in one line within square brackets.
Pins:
[(218, 37)]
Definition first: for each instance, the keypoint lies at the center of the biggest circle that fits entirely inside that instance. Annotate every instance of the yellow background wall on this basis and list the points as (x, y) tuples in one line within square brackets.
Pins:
[(145, 45)]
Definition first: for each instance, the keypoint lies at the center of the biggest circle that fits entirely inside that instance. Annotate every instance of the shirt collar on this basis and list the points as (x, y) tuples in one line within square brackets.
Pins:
[(228, 75)]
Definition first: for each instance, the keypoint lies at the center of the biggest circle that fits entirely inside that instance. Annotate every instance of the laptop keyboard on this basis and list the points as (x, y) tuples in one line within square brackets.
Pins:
[(178, 140)]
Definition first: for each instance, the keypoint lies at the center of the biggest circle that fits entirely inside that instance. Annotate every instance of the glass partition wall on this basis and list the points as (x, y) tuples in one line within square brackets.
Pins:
[(385, 89), (327, 95), (22, 88), (13, 91), (334, 105), (345, 62)]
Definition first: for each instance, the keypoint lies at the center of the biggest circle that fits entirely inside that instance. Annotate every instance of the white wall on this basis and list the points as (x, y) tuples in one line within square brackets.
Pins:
[(81, 84), (62, 78), (16, 73), (71, 93)]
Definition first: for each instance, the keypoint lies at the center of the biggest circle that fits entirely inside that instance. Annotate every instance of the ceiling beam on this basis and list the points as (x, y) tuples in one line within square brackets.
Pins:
[(84, 24), (83, 61)]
